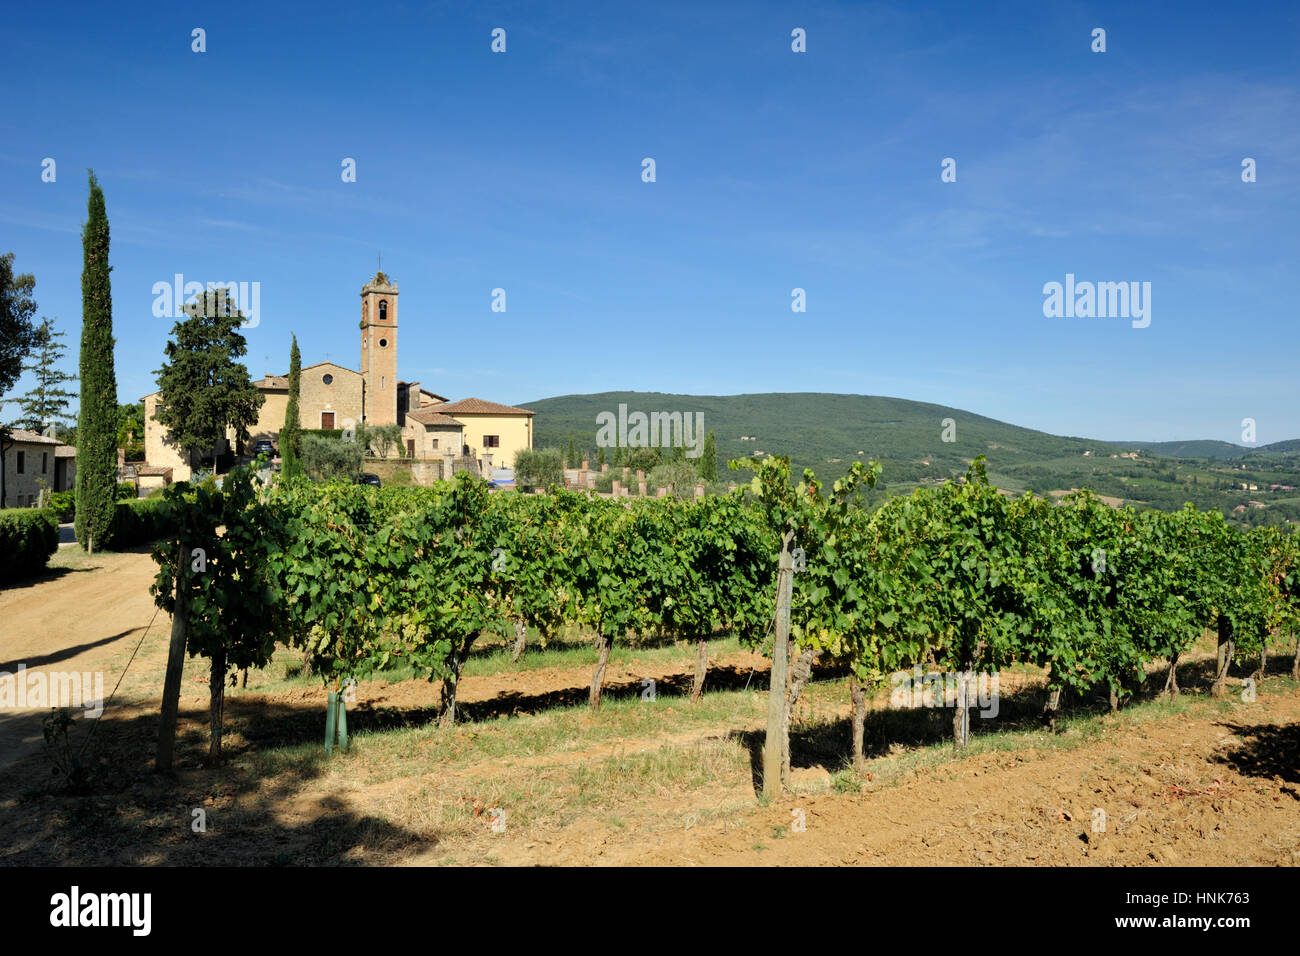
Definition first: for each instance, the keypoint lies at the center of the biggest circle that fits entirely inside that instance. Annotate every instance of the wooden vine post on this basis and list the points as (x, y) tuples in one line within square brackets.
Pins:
[(1223, 657), (175, 666), (774, 745)]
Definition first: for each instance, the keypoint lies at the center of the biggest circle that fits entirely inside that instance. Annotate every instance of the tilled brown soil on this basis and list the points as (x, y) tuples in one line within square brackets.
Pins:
[(1218, 784)]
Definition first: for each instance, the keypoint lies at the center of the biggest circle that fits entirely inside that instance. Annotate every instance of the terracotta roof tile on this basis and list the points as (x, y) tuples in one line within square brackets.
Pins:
[(428, 416), (477, 406)]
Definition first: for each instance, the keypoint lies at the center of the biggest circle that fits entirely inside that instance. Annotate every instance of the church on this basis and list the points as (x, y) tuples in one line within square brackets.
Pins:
[(335, 397)]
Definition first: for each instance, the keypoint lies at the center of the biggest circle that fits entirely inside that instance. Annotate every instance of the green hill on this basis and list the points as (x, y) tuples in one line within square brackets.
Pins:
[(828, 431), (1190, 449)]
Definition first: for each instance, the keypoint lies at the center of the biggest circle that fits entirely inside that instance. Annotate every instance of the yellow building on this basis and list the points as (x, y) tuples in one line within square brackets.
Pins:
[(332, 396)]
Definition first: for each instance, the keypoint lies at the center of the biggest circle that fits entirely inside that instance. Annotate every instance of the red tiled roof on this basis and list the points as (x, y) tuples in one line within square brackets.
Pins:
[(477, 406), (427, 416)]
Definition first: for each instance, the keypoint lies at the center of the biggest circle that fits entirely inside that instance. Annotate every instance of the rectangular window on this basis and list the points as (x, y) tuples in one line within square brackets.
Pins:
[(491, 441), (45, 462), (21, 457), (435, 444)]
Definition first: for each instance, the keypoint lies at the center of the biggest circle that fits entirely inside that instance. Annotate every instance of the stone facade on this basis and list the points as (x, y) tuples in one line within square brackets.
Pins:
[(327, 393), (332, 396), (34, 463), (379, 349)]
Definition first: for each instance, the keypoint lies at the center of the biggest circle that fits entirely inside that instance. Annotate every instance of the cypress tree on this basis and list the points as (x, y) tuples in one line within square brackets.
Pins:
[(97, 423), (709, 459), (573, 453), (291, 433)]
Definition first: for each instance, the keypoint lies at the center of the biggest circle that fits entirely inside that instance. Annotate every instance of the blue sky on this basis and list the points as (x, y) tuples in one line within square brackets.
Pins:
[(775, 170)]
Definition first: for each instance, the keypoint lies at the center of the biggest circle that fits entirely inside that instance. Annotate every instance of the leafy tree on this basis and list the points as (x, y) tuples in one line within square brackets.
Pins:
[(47, 403), (678, 476), (709, 459), (540, 468), (381, 439), (203, 389), (291, 433), (17, 334), (643, 459), (17, 337), (233, 607), (98, 419), (327, 458)]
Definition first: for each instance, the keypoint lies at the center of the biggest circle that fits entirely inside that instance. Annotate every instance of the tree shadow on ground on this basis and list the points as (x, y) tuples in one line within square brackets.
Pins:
[(1269, 751), (65, 653), (127, 815)]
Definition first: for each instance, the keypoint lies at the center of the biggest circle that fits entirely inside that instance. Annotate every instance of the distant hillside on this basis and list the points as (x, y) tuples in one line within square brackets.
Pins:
[(827, 431), (1190, 449)]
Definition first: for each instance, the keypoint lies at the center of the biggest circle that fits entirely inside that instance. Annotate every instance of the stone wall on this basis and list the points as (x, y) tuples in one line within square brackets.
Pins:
[(422, 473)]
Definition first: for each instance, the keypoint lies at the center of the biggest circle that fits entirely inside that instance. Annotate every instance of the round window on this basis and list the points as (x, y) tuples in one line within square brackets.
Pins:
[(327, 379), (383, 343)]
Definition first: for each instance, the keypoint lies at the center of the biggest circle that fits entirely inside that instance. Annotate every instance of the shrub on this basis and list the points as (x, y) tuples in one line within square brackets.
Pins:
[(28, 536), (539, 469), (64, 505), (126, 491), (679, 477), (139, 521), (604, 483), (326, 458)]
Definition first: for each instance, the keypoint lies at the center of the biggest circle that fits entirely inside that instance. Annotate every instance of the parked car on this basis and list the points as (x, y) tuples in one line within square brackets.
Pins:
[(263, 446), (369, 479)]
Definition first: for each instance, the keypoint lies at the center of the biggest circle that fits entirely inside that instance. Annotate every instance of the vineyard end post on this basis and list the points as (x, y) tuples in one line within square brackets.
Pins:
[(175, 667), (773, 744)]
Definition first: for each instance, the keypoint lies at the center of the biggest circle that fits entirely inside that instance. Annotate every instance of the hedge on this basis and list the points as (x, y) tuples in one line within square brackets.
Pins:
[(28, 536), (64, 503), (139, 521)]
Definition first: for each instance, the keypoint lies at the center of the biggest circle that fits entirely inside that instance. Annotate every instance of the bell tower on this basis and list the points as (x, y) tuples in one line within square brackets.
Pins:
[(379, 351)]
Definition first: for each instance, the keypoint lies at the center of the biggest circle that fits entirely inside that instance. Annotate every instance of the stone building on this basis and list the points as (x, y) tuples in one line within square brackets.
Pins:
[(332, 396), (33, 463)]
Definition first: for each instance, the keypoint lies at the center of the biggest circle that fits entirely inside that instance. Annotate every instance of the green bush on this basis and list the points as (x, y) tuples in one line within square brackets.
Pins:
[(539, 469), (328, 458), (139, 521), (28, 536), (64, 504)]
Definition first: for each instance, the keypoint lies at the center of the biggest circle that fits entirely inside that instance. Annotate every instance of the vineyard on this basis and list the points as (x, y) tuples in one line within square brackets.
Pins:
[(959, 578)]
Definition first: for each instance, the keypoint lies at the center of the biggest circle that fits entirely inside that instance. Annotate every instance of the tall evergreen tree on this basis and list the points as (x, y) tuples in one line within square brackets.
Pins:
[(98, 419), (709, 459), (291, 433), (46, 405), (202, 389), (600, 456), (573, 453)]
